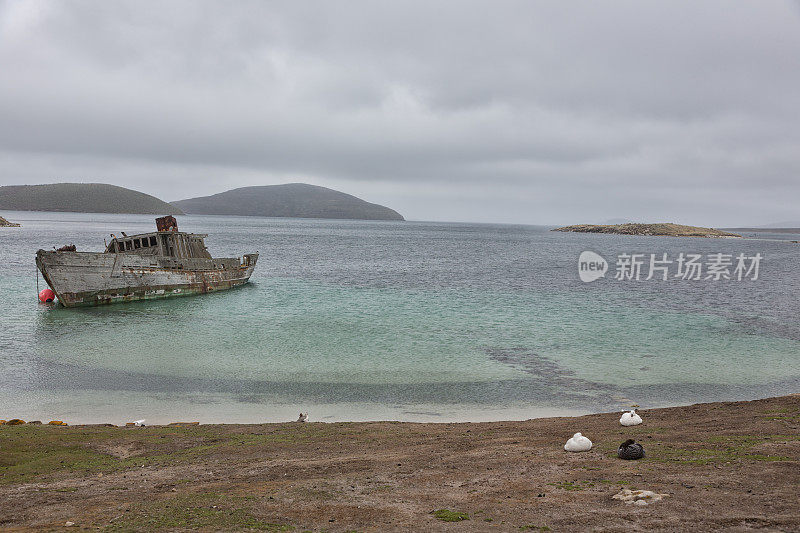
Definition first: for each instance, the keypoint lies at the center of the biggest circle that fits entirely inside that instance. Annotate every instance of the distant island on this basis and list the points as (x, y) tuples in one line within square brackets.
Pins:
[(294, 200), (82, 198), (666, 229), (6, 224)]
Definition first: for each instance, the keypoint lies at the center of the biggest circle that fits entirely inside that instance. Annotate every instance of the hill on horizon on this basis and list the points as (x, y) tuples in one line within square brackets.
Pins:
[(82, 198), (291, 200)]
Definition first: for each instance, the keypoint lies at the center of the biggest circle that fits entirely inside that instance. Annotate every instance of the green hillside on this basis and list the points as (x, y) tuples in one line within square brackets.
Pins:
[(82, 198), (295, 200)]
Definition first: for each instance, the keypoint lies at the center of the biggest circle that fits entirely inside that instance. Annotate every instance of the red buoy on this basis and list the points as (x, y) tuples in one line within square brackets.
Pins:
[(47, 295)]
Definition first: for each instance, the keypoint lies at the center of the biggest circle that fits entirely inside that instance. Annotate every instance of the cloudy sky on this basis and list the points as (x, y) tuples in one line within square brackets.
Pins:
[(494, 111)]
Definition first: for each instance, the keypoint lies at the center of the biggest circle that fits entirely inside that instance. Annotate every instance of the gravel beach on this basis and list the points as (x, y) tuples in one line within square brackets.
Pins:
[(732, 466)]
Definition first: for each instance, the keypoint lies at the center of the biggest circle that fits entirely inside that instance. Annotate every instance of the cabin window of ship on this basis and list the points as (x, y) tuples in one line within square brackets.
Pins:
[(127, 245), (153, 241), (137, 244)]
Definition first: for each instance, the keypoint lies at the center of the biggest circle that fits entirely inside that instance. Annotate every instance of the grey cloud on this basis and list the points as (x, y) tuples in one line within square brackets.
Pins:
[(508, 111)]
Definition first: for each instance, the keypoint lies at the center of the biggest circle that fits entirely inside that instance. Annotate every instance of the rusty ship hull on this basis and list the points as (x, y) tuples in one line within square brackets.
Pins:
[(161, 264), (87, 279)]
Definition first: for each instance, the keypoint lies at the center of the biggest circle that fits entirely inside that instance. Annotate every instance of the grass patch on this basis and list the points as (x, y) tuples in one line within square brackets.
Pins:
[(445, 515), (727, 448), (751, 440), (208, 511), (782, 413), (782, 410), (314, 494), (49, 452), (572, 485), (20, 463)]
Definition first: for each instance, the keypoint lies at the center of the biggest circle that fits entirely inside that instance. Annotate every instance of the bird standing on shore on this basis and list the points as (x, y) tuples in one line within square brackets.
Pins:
[(302, 417)]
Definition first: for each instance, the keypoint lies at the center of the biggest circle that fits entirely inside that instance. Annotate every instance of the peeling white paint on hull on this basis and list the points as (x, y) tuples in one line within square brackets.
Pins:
[(89, 279)]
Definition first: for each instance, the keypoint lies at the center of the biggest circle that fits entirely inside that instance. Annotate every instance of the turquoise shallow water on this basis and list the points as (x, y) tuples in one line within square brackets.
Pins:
[(413, 321)]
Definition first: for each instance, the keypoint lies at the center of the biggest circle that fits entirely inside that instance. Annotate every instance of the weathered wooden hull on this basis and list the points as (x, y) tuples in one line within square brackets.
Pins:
[(88, 279)]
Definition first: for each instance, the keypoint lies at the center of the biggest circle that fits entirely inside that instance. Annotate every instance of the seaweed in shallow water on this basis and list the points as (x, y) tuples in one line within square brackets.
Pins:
[(547, 372)]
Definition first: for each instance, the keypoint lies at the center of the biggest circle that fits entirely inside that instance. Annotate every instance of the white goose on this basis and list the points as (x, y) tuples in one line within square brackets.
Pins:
[(630, 419), (578, 443)]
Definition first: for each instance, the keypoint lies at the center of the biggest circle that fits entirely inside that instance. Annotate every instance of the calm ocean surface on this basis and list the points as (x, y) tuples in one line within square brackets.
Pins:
[(383, 320)]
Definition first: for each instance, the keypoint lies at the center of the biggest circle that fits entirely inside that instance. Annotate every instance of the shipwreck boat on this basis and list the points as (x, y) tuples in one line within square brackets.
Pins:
[(161, 264)]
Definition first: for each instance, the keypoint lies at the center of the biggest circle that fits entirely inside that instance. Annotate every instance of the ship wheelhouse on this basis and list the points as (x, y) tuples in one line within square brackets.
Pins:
[(174, 244), (166, 242)]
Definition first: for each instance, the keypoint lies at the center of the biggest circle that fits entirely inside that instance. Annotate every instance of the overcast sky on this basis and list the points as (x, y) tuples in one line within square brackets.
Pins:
[(525, 112)]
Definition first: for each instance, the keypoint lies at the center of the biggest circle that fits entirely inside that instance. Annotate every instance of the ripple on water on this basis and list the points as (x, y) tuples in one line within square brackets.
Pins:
[(411, 316)]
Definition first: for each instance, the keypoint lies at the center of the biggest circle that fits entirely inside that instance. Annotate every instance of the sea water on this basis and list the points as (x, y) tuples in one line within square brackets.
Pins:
[(363, 320)]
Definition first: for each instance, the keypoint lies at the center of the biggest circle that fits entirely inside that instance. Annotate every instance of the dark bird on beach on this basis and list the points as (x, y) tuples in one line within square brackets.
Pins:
[(630, 450)]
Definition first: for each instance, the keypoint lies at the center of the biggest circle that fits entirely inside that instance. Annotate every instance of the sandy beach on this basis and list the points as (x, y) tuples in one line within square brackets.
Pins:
[(732, 466)]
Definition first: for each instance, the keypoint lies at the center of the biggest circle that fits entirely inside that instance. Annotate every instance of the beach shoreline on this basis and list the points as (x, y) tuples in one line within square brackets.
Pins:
[(82, 409), (724, 465)]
